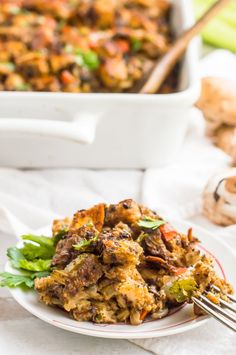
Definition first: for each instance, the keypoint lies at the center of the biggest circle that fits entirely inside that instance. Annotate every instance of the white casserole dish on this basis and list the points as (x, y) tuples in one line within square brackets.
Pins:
[(100, 130)]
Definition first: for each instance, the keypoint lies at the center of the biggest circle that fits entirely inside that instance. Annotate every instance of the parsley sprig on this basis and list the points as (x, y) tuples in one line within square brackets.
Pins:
[(150, 223), (85, 243), (84, 58), (32, 260)]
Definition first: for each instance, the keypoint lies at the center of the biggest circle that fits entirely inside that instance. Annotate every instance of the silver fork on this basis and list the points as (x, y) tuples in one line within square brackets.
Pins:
[(224, 312)]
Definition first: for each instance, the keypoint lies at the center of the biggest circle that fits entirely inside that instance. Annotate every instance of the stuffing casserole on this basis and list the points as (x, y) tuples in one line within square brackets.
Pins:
[(124, 263), (81, 45)]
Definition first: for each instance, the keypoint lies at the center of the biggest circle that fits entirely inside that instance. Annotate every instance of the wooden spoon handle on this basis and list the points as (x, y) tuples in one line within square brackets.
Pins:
[(164, 66)]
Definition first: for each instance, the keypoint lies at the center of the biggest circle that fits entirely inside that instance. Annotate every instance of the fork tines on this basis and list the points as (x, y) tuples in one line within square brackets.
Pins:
[(224, 312)]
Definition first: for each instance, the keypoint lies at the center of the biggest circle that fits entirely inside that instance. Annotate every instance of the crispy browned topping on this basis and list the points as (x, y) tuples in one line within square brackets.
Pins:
[(81, 45), (122, 263)]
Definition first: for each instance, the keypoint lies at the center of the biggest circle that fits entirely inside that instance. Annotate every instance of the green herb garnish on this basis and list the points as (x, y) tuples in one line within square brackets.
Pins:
[(42, 248), (141, 237), (136, 44), (15, 255), (84, 244), (27, 261), (11, 280), (33, 260), (91, 60), (150, 223), (88, 59), (36, 265), (182, 290)]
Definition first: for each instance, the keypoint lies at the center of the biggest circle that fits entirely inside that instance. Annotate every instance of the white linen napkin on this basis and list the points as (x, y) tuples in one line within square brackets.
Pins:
[(31, 199)]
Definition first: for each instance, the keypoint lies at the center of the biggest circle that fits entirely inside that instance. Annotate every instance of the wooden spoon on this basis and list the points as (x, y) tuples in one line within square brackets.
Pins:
[(164, 66)]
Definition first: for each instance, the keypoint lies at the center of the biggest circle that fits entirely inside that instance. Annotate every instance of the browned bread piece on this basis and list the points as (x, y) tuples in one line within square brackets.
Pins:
[(218, 101)]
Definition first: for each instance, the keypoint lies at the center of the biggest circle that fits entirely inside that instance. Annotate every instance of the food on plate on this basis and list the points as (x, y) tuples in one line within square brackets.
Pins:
[(81, 45), (218, 105), (219, 198), (114, 263)]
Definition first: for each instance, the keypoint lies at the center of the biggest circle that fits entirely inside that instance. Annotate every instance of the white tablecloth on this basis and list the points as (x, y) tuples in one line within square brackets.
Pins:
[(31, 199)]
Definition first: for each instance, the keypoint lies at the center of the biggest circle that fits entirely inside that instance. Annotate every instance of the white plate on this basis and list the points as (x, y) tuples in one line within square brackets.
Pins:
[(181, 319)]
